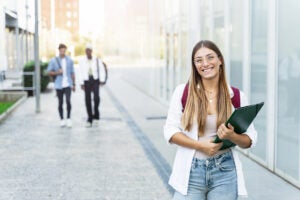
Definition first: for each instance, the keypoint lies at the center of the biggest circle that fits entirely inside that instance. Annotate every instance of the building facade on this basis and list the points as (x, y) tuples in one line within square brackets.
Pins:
[(16, 34), (59, 24), (59, 14), (259, 40)]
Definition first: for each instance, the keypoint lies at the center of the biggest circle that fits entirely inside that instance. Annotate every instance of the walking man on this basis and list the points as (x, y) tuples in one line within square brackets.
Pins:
[(92, 69), (61, 68)]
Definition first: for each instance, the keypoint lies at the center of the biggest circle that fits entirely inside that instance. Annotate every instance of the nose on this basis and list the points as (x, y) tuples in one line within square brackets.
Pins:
[(205, 62)]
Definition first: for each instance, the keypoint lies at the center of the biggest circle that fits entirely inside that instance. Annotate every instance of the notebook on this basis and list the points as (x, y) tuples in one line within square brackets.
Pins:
[(240, 119)]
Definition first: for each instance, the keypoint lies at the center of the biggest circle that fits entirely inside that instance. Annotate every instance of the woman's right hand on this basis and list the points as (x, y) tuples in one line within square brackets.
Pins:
[(209, 147)]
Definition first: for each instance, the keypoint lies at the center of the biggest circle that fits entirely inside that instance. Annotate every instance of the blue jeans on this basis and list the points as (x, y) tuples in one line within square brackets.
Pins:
[(60, 94), (212, 179)]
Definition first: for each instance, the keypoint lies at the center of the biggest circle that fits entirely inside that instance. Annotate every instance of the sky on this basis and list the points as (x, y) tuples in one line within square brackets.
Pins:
[(91, 16)]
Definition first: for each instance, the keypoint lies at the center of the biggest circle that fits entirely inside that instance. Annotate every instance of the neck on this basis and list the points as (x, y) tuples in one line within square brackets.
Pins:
[(62, 56), (89, 57), (211, 85)]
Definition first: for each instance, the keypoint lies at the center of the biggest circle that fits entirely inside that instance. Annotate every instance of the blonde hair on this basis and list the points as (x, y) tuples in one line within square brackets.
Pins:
[(197, 103)]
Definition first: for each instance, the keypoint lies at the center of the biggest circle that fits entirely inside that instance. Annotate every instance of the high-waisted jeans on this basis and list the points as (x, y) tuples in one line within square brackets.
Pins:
[(212, 179)]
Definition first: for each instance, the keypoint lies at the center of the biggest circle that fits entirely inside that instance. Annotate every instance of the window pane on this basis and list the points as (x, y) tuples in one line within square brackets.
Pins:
[(236, 44), (219, 26), (288, 133), (205, 23), (259, 59)]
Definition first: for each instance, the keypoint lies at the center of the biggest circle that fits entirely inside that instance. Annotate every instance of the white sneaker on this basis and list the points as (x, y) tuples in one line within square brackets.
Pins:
[(96, 122), (62, 123), (88, 124), (69, 123)]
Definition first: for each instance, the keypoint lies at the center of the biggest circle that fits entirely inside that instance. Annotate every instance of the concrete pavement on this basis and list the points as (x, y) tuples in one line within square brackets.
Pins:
[(40, 160)]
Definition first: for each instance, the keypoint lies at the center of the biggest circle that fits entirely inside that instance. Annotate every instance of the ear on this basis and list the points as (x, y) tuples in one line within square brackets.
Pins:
[(220, 61)]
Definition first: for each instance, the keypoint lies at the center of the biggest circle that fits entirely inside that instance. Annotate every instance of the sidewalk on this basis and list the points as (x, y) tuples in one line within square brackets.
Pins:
[(40, 160)]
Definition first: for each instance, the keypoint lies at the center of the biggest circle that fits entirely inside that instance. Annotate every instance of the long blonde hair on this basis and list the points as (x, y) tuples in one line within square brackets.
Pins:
[(197, 103)]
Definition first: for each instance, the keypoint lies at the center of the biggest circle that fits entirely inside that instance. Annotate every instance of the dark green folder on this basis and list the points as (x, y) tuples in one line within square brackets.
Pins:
[(240, 119)]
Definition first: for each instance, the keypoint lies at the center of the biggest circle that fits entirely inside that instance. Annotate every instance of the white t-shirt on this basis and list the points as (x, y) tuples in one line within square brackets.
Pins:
[(65, 82)]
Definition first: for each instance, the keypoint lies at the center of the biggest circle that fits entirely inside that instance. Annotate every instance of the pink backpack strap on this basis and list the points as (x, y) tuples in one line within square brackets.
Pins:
[(235, 100), (184, 96)]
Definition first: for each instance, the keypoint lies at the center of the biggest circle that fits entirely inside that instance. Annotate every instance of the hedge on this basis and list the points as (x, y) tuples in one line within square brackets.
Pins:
[(30, 67)]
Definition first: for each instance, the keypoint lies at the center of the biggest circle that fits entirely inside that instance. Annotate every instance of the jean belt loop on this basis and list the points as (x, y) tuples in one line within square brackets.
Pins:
[(216, 161)]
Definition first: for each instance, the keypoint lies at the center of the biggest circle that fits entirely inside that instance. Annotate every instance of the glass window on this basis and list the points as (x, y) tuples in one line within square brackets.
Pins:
[(219, 26), (69, 23), (205, 22), (288, 118), (69, 14), (259, 61), (236, 43)]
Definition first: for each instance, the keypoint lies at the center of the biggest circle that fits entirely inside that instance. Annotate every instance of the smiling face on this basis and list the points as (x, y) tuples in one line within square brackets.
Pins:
[(207, 63)]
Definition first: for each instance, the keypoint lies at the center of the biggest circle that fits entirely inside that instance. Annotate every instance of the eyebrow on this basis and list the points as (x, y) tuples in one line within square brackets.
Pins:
[(205, 56)]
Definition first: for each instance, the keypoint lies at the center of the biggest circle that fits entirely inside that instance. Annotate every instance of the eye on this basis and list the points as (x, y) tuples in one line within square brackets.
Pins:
[(210, 57), (198, 61)]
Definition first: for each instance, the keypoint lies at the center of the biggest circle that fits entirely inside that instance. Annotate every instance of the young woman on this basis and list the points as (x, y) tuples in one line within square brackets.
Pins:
[(201, 170)]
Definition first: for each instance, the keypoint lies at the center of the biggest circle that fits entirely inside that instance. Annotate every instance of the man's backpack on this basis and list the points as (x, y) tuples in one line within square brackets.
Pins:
[(53, 77), (98, 71)]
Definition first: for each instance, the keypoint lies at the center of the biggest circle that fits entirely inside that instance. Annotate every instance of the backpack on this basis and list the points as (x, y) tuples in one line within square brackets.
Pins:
[(53, 77), (98, 71), (235, 100)]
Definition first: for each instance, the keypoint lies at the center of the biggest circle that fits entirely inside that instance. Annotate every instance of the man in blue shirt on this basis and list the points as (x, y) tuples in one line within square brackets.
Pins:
[(61, 68)]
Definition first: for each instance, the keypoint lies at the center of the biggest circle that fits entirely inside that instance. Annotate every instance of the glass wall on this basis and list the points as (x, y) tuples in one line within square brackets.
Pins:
[(219, 26), (288, 130), (11, 48), (204, 17), (236, 43), (259, 59), (184, 52), (218, 16)]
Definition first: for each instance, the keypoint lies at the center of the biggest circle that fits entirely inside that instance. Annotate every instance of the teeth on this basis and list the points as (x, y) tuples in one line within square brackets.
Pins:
[(205, 70)]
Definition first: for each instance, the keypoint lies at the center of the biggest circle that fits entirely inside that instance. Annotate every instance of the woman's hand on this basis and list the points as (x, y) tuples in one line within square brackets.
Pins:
[(226, 133), (210, 148), (242, 140)]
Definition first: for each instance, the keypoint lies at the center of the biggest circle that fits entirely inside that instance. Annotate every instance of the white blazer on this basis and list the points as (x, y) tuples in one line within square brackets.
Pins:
[(84, 65), (182, 164)]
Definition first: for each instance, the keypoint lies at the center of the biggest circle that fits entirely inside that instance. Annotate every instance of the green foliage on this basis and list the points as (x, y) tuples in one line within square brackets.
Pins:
[(80, 46), (4, 106), (30, 67), (79, 49)]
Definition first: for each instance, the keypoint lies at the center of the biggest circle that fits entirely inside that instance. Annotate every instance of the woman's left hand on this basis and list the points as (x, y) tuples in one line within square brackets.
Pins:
[(226, 133)]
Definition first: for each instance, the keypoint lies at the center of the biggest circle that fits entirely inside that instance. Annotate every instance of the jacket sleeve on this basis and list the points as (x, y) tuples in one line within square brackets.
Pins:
[(72, 67), (173, 122), (251, 131)]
